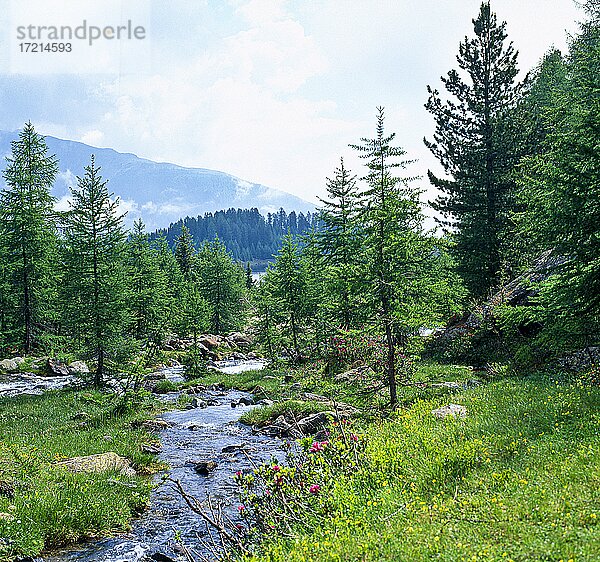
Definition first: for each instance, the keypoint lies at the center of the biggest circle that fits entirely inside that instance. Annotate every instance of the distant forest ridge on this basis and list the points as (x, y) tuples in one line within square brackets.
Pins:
[(248, 235)]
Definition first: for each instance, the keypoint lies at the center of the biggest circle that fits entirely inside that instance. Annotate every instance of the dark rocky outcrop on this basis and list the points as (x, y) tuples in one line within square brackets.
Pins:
[(204, 468), (315, 422), (57, 368), (516, 293), (160, 557), (580, 360)]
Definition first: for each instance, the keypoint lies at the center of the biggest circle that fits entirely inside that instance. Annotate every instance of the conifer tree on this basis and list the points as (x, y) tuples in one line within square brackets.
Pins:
[(148, 299), (95, 280), (531, 123), (193, 318), (395, 248), (339, 241), (478, 149), (221, 283), (185, 253), (169, 268), (289, 290), (322, 293), (267, 313), (8, 335), (28, 232), (249, 280), (561, 191)]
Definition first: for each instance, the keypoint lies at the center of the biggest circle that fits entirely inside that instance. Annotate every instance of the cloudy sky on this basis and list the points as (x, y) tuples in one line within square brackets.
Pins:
[(272, 91)]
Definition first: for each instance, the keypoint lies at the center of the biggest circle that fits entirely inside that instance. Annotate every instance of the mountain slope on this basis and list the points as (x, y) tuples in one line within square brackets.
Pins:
[(160, 193)]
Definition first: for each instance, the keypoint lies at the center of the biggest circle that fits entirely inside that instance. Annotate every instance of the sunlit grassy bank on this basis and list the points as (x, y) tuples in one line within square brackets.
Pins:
[(43, 505), (517, 479)]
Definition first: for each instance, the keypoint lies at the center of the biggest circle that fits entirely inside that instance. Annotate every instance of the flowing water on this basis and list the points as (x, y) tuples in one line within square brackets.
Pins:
[(194, 435), (26, 383)]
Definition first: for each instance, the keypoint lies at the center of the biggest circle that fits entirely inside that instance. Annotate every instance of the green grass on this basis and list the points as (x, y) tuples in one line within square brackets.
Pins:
[(164, 386), (287, 408), (270, 381), (517, 479), (51, 506)]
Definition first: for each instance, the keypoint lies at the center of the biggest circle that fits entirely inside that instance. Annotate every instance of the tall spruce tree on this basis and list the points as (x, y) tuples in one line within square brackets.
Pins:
[(531, 123), (95, 281), (478, 149), (28, 232)]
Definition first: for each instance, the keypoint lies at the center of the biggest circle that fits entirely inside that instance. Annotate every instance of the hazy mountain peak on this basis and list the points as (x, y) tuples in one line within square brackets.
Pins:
[(159, 192)]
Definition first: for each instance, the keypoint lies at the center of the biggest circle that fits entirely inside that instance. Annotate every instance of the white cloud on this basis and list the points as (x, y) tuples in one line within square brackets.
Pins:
[(259, 12), (150, 207), (236, 108), (64, 203), (68, 177), (280, 89), (94, 137), (130, 207)]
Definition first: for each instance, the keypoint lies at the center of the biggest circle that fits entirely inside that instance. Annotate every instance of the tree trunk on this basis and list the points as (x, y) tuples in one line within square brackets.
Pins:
[(27, 315), (294, 335), (391, 363), (99, 369)]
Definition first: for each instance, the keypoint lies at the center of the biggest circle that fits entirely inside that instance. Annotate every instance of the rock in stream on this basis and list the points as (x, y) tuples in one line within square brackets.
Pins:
[(204, 461)]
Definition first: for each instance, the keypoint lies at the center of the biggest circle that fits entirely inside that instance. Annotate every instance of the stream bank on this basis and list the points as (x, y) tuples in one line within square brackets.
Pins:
[(197, 435)]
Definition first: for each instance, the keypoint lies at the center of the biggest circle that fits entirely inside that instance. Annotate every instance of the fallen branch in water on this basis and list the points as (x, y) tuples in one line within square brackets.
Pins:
[(216, 520)]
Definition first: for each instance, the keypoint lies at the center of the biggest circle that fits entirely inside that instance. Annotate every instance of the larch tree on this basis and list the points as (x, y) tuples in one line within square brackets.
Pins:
[(222, 284), (169, 268), (95, 283), (148, 298), (478, 149), (28, 231), (339, 242), (185, 253), (396, 249), (289, 290)]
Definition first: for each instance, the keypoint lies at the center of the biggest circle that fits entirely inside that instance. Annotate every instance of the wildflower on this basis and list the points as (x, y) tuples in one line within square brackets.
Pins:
[(278, 480), (241, 508), (314, 489), (275, 468)]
